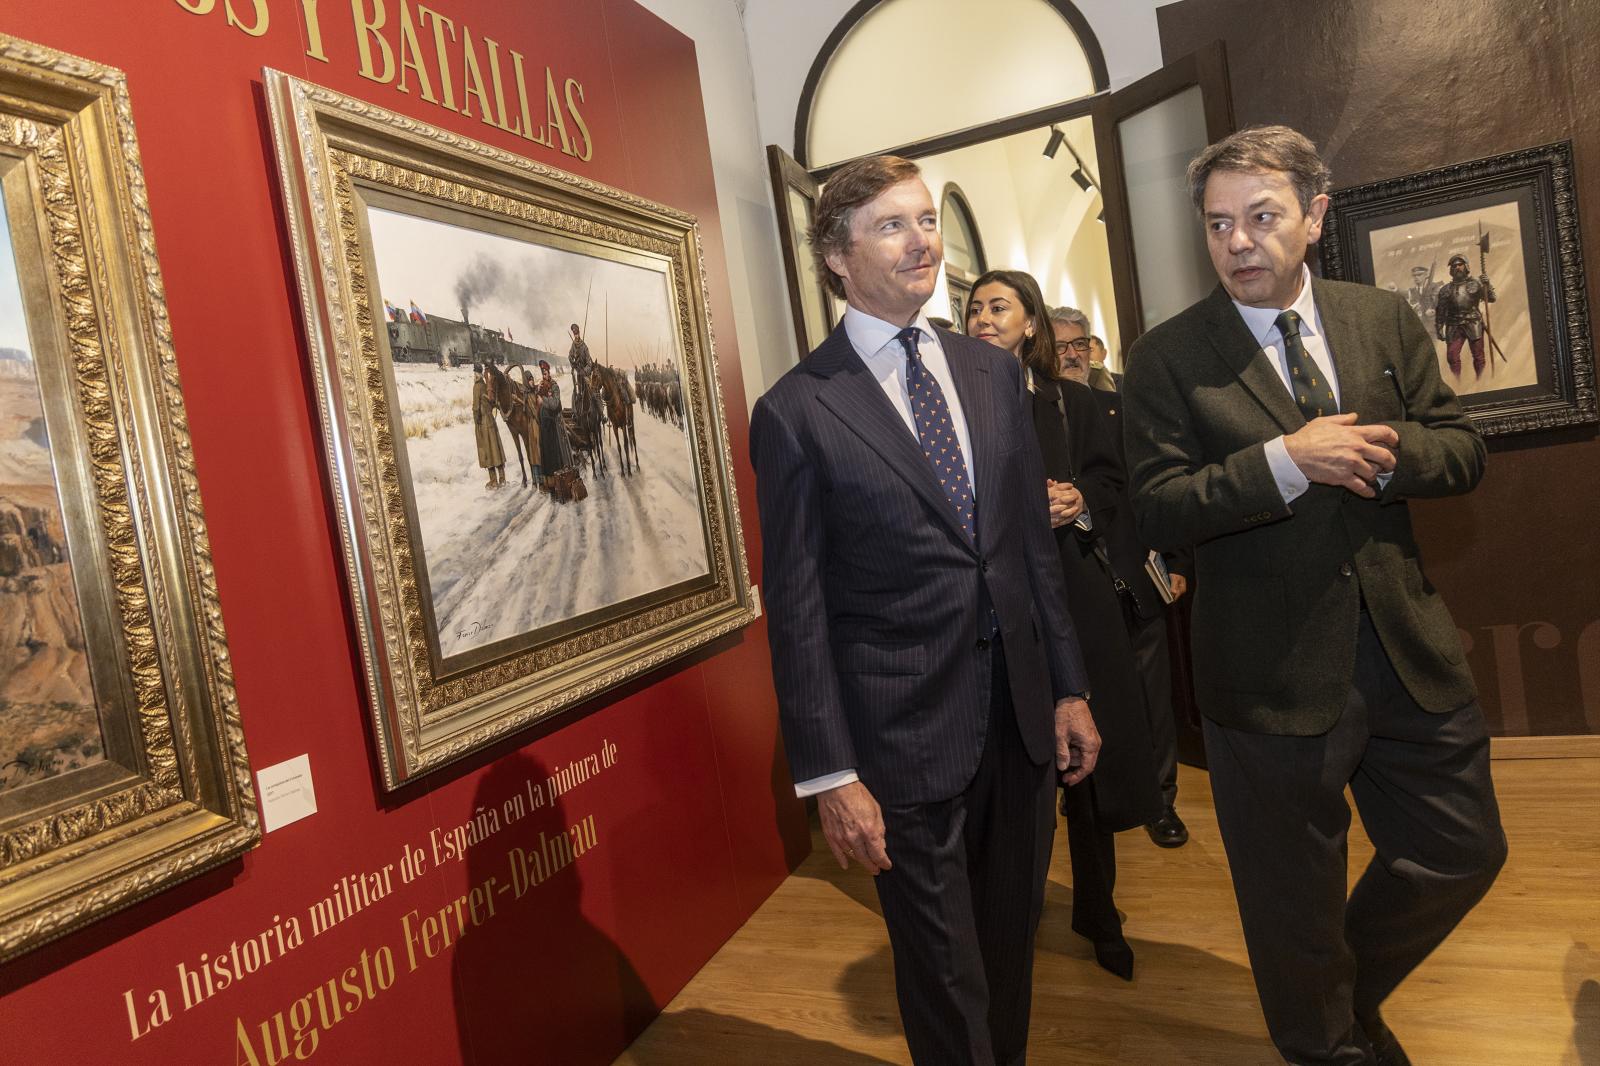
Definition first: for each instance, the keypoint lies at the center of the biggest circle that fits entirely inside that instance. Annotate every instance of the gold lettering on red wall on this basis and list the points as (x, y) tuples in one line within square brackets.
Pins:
[(577, 119), (552, 116), (440, 25), (391, 51), (367, 35), (260, 18), (472, 79), (411, 57), (257, 27), (522, 100), (499, 89), (308, 14)]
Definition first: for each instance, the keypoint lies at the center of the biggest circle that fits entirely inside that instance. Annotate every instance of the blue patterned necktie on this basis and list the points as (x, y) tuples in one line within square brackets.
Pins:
[(937, 432), (1313, 392)]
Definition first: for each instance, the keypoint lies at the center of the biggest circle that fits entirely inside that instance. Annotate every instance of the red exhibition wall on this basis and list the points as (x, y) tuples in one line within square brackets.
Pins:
[(693, 820)]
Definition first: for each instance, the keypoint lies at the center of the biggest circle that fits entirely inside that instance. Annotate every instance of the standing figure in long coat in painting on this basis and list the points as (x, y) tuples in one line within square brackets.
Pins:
[(491, 456), (553, 445)]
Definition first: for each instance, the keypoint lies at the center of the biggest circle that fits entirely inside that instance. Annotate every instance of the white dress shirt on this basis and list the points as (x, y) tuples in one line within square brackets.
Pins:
[(1263, 325), (877, 343)]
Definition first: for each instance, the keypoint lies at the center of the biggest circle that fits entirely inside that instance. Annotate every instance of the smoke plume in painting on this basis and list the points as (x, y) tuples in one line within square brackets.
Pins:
[(544, 494)]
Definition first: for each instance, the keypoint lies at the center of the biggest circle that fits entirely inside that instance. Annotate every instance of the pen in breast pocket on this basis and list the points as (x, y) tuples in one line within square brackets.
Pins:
[(1394, 379)]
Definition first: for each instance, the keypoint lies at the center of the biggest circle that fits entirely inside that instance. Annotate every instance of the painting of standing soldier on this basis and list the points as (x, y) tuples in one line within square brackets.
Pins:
[(1463, 276), (524, 379)]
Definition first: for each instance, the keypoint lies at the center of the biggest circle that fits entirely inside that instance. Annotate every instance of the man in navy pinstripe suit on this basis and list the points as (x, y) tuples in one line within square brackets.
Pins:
[(926, 669)]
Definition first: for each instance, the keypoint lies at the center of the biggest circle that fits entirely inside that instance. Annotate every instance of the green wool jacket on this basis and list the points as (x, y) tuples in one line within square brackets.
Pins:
[(1279, 587)]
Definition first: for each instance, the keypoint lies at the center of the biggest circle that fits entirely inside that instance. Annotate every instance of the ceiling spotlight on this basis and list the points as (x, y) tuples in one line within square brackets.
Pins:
[(1056, 139), (1082, 179)]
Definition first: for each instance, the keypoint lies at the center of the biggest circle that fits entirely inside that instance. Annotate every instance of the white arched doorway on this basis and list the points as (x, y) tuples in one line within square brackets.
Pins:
[(993, 60), (1008, 102)]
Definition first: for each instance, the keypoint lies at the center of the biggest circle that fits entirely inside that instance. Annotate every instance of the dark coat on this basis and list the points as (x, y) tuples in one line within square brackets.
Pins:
[(879, 602), (1127, 554), (1081, 449), (1279, 587)]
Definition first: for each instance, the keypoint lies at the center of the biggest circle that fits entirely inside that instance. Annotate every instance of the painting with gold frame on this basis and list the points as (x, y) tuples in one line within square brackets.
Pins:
[(122, 762), (522, 418)]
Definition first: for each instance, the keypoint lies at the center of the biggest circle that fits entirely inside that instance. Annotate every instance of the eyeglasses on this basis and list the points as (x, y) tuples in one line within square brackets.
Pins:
[(1080, 346)]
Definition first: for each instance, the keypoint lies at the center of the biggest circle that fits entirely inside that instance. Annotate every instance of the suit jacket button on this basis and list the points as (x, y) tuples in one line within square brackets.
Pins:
[(982, 645), (983, 564), (1345, 569)]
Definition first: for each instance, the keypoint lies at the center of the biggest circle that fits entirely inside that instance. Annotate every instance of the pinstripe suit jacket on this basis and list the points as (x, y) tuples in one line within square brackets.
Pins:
[(878, 602)]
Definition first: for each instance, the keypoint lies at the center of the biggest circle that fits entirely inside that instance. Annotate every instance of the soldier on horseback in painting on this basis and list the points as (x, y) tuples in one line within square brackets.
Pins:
[(491, 456), (1458, 319)]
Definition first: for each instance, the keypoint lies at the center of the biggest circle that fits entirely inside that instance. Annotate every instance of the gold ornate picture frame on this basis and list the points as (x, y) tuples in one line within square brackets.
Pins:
[(522, 418), (122, 761)]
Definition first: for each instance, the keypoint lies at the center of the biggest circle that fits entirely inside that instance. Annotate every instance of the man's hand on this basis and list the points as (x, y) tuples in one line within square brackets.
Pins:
[(1077, 740), (1179, 585), (852, 823), (1333, 450), (1066, 502)]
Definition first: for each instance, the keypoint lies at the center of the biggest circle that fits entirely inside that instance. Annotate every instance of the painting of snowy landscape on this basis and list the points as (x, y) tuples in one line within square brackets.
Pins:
[(540, 432), (48, 721)]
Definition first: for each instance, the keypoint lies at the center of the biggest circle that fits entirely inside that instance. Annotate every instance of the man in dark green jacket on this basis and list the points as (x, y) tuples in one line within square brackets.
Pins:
[(1277, 427)]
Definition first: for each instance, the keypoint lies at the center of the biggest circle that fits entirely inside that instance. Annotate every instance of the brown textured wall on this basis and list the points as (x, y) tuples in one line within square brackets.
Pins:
[(1387, 88)]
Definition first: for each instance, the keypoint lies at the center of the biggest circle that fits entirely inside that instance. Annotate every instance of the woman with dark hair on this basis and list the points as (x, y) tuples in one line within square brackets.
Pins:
[(1083, 481)]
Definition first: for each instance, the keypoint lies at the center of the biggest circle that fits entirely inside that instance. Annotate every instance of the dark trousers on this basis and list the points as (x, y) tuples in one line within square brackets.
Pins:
[(962, 901), (1421, 783), (1154, 662), (1094, 868)]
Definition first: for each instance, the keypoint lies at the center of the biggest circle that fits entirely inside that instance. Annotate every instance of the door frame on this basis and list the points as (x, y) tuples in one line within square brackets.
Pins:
[(1206, 67)]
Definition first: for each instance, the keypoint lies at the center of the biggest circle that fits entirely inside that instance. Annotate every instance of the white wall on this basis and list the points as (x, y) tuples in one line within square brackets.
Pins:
[(744, 198), (753, 59), (1029, 54), (785, 36), (1032, 216)]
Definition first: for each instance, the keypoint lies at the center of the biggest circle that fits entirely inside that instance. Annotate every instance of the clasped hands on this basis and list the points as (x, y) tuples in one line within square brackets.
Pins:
[(852, 821), (1066, 502), (1333, 450)]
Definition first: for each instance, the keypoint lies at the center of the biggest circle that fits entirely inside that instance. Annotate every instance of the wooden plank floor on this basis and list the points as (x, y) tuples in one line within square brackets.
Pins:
[(808, 979)]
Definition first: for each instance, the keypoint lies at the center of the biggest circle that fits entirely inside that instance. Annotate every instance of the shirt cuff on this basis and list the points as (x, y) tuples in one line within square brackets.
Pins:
[(1384, 479), (1291, 482), (803, 789), (1084, 521)]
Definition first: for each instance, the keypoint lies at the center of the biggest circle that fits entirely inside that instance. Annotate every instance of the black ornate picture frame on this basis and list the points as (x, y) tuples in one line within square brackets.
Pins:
[(1524, 360)]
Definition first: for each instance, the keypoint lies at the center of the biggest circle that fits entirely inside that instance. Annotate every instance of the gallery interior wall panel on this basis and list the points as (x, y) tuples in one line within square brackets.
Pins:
[(693, 821), (1387, 90)]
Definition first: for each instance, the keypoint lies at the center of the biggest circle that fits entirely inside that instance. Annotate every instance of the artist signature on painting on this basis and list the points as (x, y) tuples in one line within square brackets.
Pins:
[(471, 631)]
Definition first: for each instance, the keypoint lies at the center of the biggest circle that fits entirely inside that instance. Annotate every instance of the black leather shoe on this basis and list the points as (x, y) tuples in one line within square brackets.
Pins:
[(1115, 956), (1168, 831), (1386, 1048)]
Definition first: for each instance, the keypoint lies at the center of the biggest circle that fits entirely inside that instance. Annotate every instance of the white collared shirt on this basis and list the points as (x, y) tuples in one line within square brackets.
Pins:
[(1263, 325), (1262, 322), (877, 343)]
